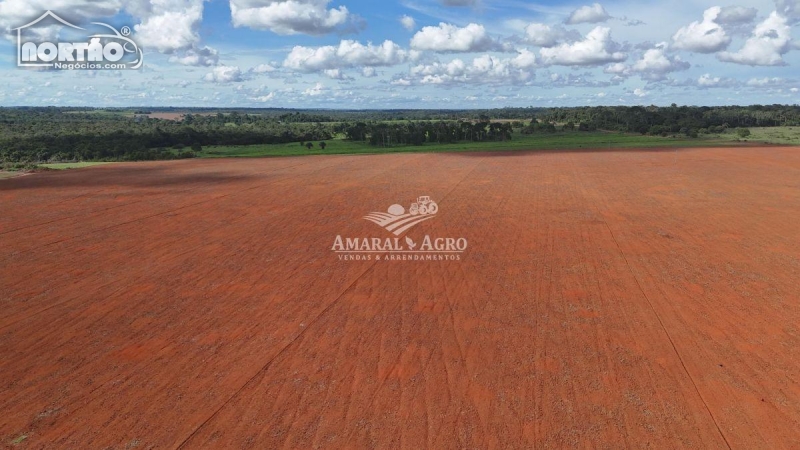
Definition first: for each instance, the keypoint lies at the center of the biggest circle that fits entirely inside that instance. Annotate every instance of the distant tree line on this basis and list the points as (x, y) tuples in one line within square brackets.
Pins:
[(29, 134), (674, 119), (44, 134), (383, 134), (344, 115)]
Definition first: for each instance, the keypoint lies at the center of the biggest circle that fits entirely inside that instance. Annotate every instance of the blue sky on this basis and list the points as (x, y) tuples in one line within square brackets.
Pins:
[(422, 53)]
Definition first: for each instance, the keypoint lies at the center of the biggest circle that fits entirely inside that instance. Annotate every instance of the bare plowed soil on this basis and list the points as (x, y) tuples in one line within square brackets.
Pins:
[(636, 299)]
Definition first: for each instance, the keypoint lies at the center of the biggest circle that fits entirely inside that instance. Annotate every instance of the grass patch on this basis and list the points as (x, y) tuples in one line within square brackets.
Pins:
[(776, 135), (555, 141), (767, 135), (75, 165), (4, 174), (19, 439)]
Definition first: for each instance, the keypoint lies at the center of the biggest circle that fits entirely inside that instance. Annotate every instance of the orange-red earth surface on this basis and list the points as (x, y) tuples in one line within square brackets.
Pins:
[(616, 299)]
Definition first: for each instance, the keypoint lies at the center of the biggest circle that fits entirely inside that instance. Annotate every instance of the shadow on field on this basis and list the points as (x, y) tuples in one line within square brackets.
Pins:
[(135, 175), (529, 152)]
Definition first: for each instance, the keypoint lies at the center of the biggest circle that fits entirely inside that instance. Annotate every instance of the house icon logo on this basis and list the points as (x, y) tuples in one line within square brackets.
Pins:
[(109, 49)]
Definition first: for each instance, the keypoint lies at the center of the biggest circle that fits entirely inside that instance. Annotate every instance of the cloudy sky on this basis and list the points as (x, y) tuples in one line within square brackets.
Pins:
[(369, 54)]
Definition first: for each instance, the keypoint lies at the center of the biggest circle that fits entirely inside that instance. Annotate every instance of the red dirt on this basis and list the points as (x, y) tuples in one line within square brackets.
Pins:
[(607, 300)]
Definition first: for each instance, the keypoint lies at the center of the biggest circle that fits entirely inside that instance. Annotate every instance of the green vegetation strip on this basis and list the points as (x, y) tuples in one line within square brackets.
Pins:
[(555, 141), (73, 165), (87, 134), (774, 135)]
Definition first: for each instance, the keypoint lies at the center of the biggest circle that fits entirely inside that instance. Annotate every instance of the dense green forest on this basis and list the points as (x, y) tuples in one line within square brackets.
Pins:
[(52, 134), (383, 134), (86, 134), (674, 119)]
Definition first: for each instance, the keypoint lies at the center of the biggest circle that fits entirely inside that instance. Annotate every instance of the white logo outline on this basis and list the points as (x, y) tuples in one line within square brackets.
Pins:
[(117, 35), (398, 221)]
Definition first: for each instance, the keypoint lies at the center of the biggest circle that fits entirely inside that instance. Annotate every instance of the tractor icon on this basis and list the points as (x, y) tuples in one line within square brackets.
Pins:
[(424, 206)]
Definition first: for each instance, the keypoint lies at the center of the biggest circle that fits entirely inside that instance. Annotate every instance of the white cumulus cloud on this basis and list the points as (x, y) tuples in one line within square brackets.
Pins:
[(618, 69), (408, 22), (542, 35), (767, 45), (264, 68), (706, 36), (655, 64), (163, 25), (197, 56), (708, 81), (596, 49), (588, 14), (336, 74), (316, 91), (169, 25), (15, 13), (224, 74), (263, 98), (288, 17), (485, 69), (346, 55), (447, 38), (766, 81)]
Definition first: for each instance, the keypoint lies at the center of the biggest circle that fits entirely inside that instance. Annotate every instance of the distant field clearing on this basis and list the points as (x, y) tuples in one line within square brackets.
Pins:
[(74, 165)]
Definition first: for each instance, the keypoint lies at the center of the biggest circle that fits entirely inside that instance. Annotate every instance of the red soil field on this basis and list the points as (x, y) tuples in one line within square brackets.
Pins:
[(167, 116), (616, 299)]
